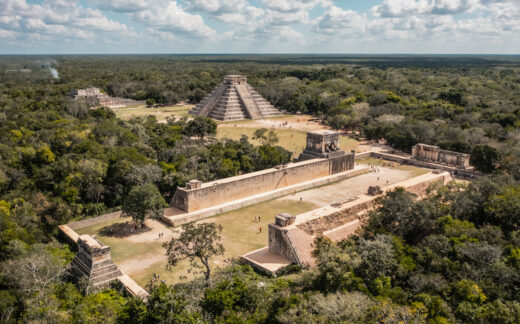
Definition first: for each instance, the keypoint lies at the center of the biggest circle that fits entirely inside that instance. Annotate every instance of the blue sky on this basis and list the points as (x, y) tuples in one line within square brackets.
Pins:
[(260, 26)]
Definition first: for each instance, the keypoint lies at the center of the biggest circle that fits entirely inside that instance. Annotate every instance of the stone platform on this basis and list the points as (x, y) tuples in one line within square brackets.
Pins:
[(175, 217), (291, 237)]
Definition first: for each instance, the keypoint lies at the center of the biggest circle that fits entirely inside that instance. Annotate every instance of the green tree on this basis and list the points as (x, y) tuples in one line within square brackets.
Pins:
[(484, 158), (197, 242), (150, 102), (260, 135), (201, 127), (143, 201)]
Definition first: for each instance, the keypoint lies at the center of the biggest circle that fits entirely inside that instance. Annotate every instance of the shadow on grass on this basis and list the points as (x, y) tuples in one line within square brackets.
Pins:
[(123, 230)]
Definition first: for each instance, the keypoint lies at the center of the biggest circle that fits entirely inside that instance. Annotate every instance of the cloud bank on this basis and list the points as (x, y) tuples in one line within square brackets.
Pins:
[(444, 26)]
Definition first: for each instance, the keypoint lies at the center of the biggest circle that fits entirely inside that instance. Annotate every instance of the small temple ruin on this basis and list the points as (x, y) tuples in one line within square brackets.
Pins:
[(433, 154), (103, 100), (93, 261), (234, 99), (321, 144)]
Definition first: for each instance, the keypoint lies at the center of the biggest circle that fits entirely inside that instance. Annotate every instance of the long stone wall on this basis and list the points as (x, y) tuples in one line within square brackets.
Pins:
[(221, 191), (76, 225), (294, 242)]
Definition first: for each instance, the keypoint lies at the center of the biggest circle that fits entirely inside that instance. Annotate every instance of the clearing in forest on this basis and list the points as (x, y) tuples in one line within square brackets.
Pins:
[(140, 255)]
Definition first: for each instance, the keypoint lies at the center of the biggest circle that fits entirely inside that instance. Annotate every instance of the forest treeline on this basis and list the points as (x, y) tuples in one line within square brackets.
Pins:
[(451, 258)]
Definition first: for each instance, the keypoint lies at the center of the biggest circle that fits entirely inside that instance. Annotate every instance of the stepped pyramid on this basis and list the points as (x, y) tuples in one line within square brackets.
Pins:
[(94, 262), (234, 99)]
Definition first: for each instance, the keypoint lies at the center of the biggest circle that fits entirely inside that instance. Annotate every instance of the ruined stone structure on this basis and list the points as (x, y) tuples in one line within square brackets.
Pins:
[(104, 100), (93, 261), (234, 99), (291, 237), (433, 154), (85, 93), (321, 144), (196, 195)]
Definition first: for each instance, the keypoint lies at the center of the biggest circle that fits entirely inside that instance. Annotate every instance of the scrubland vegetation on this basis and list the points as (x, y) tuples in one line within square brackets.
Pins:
[(454, 257)]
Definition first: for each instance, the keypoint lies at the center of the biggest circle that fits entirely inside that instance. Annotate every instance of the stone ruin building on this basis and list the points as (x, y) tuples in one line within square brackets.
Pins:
[(85, 93), (321, 159), (321, 144), (93, 262), (433, 154), (234, 99), (103, 100)]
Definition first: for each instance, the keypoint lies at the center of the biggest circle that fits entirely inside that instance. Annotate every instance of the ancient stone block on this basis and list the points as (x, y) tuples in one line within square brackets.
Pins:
[(93, 261), (433, 154), (321, 144)]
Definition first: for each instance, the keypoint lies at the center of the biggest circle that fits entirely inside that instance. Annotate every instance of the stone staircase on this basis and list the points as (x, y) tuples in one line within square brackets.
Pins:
[(228, 107), (204, 107), (93, 261), (248, 101), (234, 99), (265, 107)]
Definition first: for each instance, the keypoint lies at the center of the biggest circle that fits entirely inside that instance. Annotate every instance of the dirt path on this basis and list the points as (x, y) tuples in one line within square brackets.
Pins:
[(153, 235), (142, 263), (302, 122), (352, 187)]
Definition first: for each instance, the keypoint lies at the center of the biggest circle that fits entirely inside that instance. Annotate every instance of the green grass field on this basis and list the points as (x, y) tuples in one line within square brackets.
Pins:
[(161, 113), (290, 139), (416, 171), (240, 235)]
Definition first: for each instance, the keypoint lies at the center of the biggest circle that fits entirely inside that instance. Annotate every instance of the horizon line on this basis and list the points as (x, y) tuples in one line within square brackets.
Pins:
[(288, 53)]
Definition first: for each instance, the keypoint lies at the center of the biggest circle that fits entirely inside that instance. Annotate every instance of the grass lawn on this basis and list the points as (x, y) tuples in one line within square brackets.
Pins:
[(161, 113), (240, 234), (416, 171), (290, 139)]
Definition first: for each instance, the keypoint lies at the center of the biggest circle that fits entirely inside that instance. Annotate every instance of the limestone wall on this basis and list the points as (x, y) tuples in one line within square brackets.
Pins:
[(297, 248), (364, 202), (431, 153), (94, 220), (234, 188), (280, 244)]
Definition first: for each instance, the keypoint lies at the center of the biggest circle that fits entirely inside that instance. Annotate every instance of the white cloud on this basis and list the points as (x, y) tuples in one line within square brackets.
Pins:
[(124, 5), (295, 5), (239, 12), (59, 19), (174, 19), (336, 21), (402, 8)]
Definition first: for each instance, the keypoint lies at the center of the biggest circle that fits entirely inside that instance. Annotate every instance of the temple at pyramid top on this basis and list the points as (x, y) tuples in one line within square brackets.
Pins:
[(234, 99)]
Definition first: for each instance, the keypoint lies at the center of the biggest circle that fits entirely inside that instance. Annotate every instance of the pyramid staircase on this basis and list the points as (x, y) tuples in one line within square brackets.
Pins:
[(234, 99)]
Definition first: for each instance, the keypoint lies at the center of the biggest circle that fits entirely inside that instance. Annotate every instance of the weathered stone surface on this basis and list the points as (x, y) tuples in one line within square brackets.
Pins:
[(93, 261), (190, 199), (374, 190), (433, 154), (294, 241), (234, 99), (321, 144)]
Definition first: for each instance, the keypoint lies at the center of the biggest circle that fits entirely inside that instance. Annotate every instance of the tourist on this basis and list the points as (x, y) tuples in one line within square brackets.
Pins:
[(260, 229)]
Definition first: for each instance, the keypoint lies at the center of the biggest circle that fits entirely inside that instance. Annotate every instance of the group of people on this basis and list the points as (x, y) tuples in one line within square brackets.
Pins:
[(257, 220), (161, 235)]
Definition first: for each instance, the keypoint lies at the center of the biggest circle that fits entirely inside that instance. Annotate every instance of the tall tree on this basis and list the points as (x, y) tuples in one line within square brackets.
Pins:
[(201, 127), (484, 158), (197, 242), (144, 201)]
